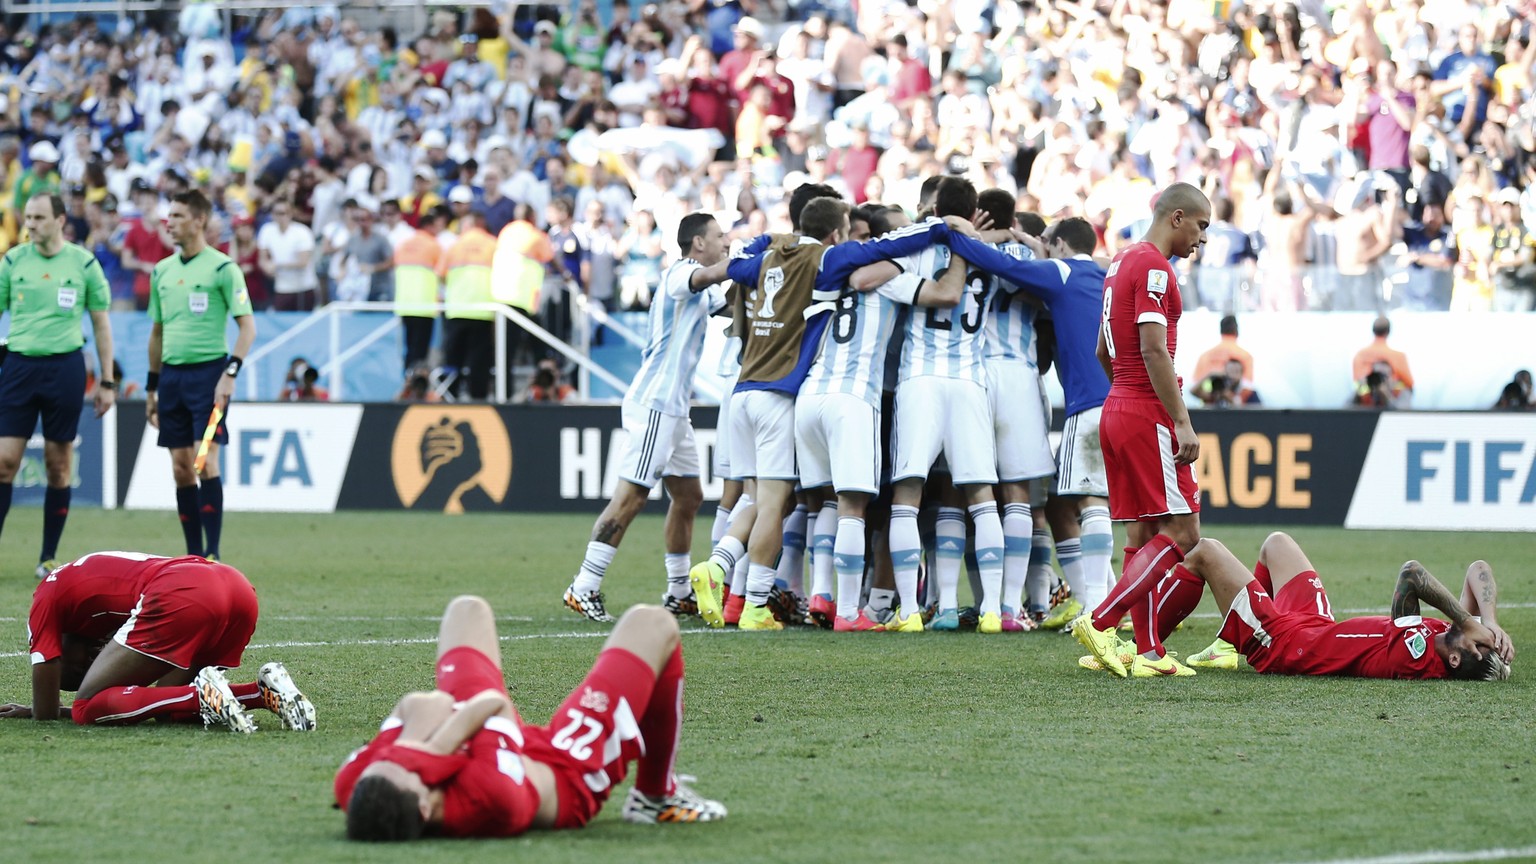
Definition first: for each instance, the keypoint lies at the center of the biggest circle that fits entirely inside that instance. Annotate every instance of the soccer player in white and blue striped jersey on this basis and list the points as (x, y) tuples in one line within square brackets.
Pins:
[(942, 407), (837, 422), (1020, 417), (1072, 285), (655, 414)]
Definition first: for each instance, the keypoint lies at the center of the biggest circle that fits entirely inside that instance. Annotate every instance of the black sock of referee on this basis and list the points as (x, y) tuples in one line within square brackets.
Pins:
[(5, 501), (55, 511), (191, 525), (211, 511)]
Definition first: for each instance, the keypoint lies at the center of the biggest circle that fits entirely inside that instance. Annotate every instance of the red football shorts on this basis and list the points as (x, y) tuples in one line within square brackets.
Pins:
[(594, 734), (193, 614), (465, 672), (1136, 436), (1269, 630)]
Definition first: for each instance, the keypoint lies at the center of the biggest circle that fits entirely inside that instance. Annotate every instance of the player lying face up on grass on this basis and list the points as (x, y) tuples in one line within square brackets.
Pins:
[(1280, 618), (458, 761), (140, 636)]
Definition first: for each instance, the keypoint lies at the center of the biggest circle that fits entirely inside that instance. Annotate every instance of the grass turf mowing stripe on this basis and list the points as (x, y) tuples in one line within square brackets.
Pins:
[(1440, 857)]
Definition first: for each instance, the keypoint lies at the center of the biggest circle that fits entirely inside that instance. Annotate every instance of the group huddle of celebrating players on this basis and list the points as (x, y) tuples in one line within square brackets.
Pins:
[(832, 415)]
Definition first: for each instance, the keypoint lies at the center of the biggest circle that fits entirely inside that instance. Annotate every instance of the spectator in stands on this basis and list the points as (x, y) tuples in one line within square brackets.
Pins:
[(1386, 112), (495, 207), (286, 248), (1216, 358), (1382, 360), (369, 259), (1514, 255), (596, 235), (1362, 237), (146, 243), (1225, 265), (1464, 80), (107, 236), (245, 254), (1431, 255), (639, 253), (1226, 388), (1473, 291), (41, 177)]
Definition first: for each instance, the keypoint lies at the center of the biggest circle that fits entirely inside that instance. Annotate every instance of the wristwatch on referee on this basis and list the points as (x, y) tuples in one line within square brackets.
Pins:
[(107, 385), (233, 369)]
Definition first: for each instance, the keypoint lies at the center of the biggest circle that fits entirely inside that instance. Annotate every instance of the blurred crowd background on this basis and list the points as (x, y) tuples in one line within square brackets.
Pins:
[(1363, 155)]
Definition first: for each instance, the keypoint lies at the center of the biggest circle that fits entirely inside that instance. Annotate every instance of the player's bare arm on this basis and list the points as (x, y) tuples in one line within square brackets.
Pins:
[(707, 276), (46, 678), (1480, 596), (872, 276), (1154, 353), (947, 292)]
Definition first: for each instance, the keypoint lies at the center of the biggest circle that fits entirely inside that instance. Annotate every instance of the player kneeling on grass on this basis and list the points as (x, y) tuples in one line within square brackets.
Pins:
[(1280, 618), (459, 761), (140, 636)]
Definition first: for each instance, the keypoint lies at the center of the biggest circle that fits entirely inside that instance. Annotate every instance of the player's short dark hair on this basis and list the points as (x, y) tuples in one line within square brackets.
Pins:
[(1283, 203), (693, 225), (997, 203), (194, 201), (1488, 667), (881, 219), (381, 812), (803, 195), (1229, 325), (955, 196), (926, 191), (1030, 223), (861, 213), (55, 201), (823, 216), (1077, 233)]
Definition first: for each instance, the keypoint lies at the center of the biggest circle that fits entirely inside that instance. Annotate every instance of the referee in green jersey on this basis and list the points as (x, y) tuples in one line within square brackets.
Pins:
[(191, 297), (47, 285)]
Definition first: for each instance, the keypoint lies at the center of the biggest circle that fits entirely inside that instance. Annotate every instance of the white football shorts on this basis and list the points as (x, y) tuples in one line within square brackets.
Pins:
[(1079, 460), (944, 415), (763, 435), (1021, 419), (837, 441), (660, 445)]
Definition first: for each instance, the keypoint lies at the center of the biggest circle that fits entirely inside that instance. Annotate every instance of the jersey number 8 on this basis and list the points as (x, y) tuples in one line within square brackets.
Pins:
[(846, 319)]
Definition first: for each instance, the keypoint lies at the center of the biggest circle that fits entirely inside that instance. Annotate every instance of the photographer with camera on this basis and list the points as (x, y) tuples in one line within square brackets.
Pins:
[(1226, 388)]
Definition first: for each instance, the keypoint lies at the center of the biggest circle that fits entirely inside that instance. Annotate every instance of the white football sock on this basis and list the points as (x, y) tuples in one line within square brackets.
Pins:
[(989, 556), (1018, 525), (790, 573), (823, 540), (1040, 572), (1098, 547), (849, 558), (721, 525), (949, 533), (590, 577), (677, 575), (906, 551), (759, 583)]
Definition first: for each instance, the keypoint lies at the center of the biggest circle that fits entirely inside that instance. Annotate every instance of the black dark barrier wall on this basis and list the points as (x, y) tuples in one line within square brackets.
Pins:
[(1256, 467)]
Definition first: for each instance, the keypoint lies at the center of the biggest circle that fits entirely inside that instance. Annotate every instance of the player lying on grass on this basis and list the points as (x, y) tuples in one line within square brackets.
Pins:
[(111, 624), (1279, 617), (459, 761)]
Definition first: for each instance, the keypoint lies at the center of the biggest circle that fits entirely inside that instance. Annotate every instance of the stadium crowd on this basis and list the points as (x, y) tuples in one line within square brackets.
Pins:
[(1359, 155)]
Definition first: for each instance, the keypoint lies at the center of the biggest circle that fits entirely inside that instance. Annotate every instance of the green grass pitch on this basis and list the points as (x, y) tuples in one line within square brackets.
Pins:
[(874, 747)]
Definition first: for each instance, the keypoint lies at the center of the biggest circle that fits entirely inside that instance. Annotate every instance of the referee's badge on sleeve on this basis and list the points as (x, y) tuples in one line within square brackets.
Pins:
[(197, 301), (67, 297)]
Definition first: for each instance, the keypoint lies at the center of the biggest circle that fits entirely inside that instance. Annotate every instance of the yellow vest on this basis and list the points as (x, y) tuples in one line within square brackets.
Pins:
[(416, 275), (468, 274)]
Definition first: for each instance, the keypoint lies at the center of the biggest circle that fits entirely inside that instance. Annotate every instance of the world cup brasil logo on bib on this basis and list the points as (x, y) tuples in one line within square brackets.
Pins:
[(451, 459)]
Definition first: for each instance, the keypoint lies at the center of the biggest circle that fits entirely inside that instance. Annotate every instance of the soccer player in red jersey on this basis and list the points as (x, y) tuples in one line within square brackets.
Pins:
[(1280, 618), (459, 761), (1148, 442), (112, 624)]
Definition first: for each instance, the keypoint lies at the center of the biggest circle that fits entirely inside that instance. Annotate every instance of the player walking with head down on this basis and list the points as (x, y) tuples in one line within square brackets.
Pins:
[(661, 445), (1149, 444), (46, 286), (192, 295)]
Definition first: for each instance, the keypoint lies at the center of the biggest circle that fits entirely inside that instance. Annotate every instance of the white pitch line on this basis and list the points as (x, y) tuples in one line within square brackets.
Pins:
[(423, 640), (1438, 857)]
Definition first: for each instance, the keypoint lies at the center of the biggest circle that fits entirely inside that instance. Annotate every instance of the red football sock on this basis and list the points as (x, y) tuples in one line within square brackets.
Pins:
[(1261, 573), (660, 726), (1142, 572), (248, 695), (124, 706)]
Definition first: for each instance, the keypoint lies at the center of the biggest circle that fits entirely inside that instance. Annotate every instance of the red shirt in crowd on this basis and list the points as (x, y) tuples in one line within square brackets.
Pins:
[(145, 242)]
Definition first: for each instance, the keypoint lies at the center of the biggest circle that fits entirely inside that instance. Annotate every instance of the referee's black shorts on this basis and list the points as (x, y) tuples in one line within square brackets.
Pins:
[(52, 385), (186, 402)]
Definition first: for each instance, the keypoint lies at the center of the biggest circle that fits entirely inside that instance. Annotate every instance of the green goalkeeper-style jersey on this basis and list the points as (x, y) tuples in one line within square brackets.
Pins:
[(47, 296), (193, 300)]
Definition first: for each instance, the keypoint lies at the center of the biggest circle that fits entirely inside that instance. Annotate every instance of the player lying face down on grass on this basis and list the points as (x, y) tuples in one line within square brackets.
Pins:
[(1280, 618), (458, 761), (141, 636)]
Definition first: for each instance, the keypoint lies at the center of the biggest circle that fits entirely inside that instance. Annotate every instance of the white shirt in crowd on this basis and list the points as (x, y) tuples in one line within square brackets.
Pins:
[(285, 247)]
